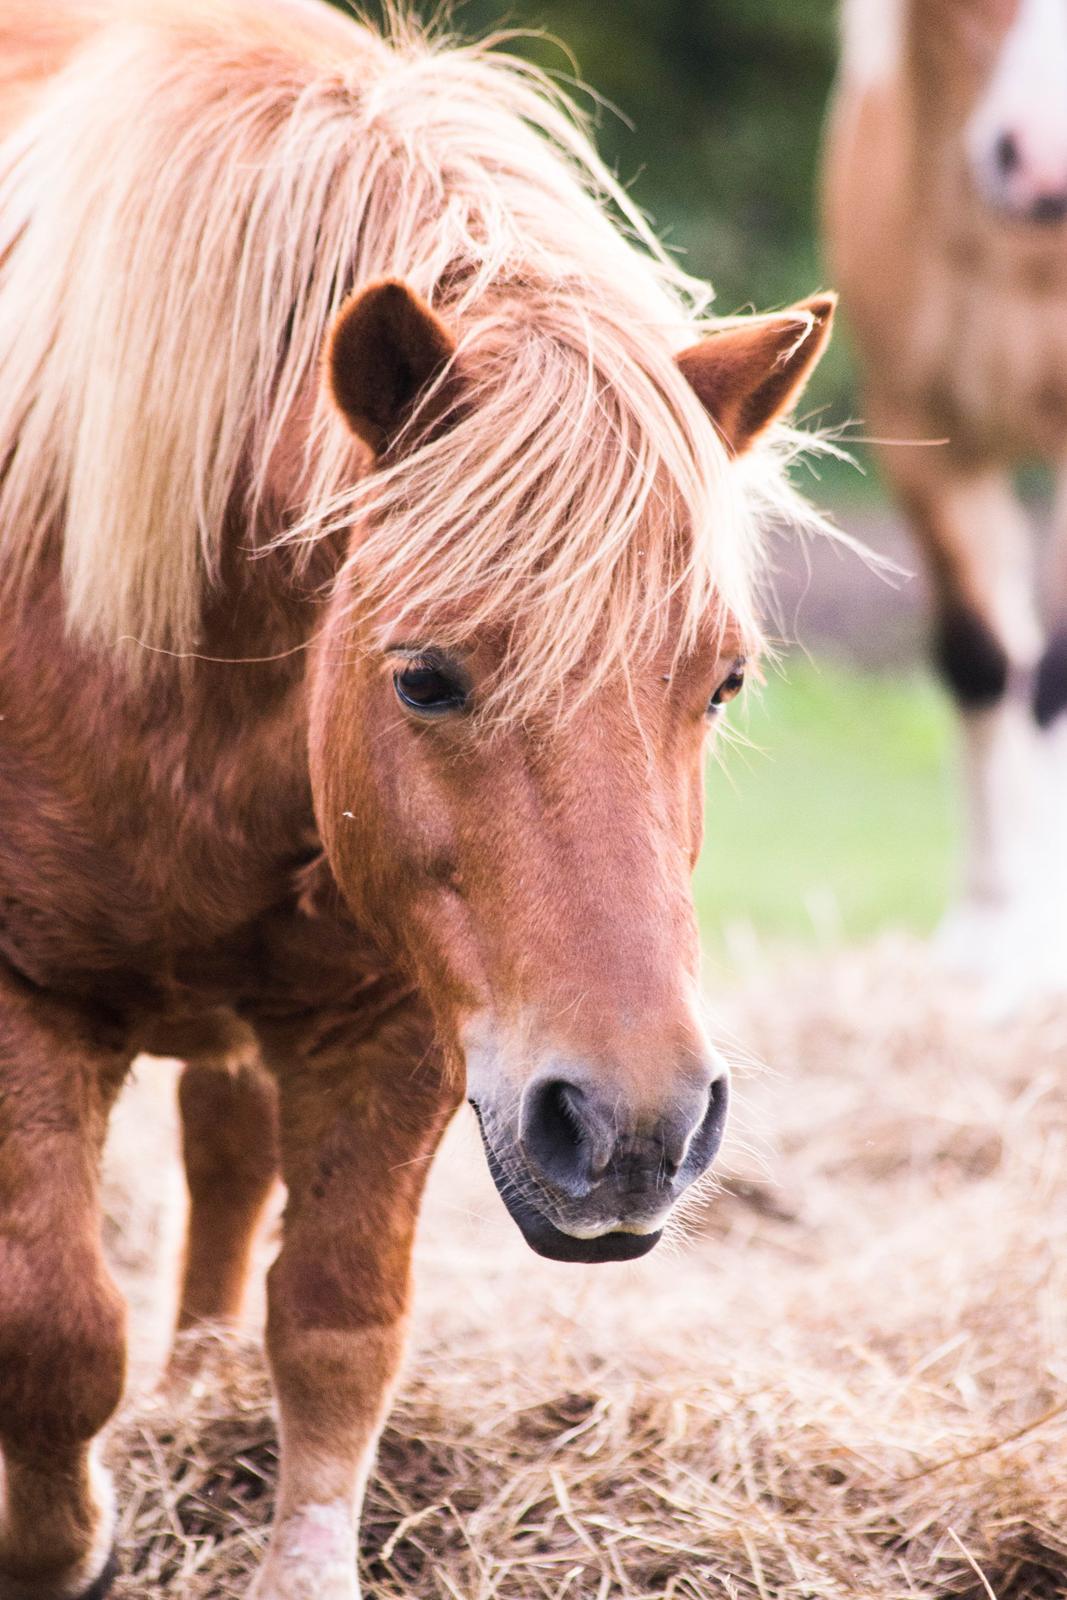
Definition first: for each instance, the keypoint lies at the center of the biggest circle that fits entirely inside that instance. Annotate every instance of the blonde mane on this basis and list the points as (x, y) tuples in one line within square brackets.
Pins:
[(182, 214)]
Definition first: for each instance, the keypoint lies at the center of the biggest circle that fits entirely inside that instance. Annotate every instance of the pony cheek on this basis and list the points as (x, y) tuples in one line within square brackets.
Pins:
[(694, 821), (385, 831), (443, 950), (352, 827), (360, 791)]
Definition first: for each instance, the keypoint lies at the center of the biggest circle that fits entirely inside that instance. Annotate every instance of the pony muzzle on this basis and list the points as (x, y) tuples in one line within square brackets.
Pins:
[(588, 1176)]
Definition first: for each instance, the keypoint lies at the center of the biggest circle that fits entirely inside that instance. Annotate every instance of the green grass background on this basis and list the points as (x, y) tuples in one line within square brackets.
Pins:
[(832, 814)]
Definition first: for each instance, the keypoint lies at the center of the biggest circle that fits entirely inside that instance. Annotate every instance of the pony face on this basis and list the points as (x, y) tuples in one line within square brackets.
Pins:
[(535, 877), (533, 872), (1007, 60)]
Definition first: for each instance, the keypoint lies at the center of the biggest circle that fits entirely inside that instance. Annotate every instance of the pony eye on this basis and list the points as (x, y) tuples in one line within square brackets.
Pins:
[(729, 689), (429, 688)]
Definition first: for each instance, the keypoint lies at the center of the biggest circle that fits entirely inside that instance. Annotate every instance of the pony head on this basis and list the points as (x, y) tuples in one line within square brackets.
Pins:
[(1017, 134), (507, 752), (1001, 66)]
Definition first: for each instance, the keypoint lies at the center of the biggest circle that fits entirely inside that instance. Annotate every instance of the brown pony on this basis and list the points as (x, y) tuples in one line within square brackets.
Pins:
[(946, 190), (372, 574)]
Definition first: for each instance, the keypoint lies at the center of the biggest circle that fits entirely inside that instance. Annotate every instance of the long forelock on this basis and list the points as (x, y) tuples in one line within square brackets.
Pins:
[(581, 504), (180, 222)]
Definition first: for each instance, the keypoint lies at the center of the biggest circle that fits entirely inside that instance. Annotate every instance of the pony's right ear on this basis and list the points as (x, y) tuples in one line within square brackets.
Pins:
[(750, 374), (385, 352)]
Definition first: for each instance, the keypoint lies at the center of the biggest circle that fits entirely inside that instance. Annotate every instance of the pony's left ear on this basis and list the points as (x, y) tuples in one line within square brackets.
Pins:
[(385, 352), (749, 375)]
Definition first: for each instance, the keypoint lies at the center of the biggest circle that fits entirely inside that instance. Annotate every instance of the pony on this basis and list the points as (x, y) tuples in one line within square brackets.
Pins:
[(946, 220), (380, 526)]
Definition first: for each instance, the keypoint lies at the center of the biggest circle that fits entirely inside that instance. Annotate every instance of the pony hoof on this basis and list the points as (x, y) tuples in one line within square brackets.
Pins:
[(103, 1585), (99, 1589)]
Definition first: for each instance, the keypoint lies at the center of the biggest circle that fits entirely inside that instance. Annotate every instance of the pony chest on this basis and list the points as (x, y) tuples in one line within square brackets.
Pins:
[(992, 348)]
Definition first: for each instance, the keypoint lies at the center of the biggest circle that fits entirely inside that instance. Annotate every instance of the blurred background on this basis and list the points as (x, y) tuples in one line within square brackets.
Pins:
[(831, 818)]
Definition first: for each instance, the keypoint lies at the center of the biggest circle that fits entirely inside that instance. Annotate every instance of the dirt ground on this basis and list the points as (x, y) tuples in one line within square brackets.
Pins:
[(844, 1377)]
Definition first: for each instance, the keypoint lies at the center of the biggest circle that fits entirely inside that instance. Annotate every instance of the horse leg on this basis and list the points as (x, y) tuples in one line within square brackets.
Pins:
[(359, 1124), (1042, 953), (978, 548), (62, 1321), (229, 1144)]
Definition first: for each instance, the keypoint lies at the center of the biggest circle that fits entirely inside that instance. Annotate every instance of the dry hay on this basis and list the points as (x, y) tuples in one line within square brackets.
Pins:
[(848, 1383)]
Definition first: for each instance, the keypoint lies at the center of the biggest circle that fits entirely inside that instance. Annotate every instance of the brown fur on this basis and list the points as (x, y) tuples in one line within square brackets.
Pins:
[(254, 858), (230, 1147)]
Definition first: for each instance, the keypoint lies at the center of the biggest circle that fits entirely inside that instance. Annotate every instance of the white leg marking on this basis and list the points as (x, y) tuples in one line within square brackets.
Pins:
[(313, 1555), (1001, 759), (1033, 960)]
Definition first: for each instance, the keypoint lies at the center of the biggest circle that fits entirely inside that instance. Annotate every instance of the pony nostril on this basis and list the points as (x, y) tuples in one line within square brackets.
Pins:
[(572, 1138), (555, 1136), (1006, 154), (690, 1137), (704, 1145), (560, 1107)]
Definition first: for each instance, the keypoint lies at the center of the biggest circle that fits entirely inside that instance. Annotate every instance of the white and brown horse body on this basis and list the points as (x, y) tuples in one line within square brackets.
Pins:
[(330, 385), (946, 199)]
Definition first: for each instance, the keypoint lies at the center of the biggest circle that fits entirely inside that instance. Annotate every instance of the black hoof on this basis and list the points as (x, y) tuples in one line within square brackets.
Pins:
[(102, 1586)]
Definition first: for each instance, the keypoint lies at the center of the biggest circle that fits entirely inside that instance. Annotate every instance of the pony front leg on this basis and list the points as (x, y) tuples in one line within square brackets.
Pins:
[(358, 1130), (229, 1144), (62, 1322), (977, 542), (1042, 951)]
